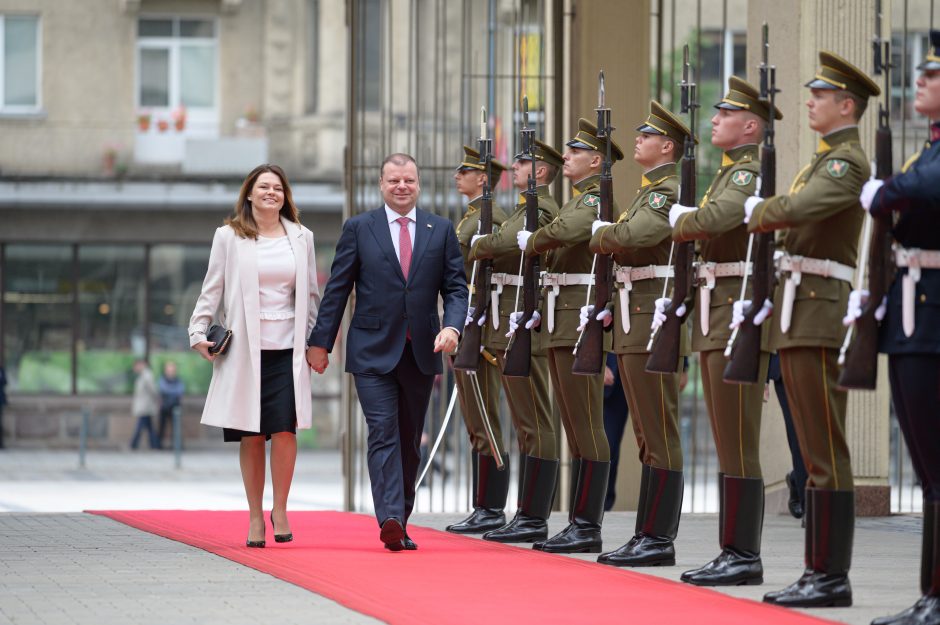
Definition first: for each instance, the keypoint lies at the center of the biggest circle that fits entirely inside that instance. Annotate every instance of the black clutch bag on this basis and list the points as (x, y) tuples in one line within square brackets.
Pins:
[(221, 337)]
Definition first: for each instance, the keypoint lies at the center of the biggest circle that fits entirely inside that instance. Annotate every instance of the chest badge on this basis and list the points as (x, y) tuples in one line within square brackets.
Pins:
[(591, 200), (656, 200), (837, 168), (742, 178)]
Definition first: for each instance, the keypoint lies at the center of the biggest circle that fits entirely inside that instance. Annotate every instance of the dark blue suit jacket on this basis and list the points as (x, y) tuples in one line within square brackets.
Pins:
[(385, 304)]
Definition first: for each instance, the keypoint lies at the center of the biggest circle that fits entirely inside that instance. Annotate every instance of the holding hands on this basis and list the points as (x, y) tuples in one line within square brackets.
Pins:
[(317, 358)]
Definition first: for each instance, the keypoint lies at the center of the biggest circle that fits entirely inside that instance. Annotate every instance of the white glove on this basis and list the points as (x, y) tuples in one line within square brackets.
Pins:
[(480, 322), (597, 225), (765, 311), (603, 316), (737, 312), (749, 205), (514, 318), (678, 210), (522, 237), (659, 315), (868, 192), (475, 238), (858, 299)]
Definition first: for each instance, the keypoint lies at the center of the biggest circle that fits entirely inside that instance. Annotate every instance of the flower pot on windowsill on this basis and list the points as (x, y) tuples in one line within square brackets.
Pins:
[(163, 125), (143, 123)]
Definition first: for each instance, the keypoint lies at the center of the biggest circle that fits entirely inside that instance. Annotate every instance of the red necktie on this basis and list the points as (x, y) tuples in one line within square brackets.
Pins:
[(404, 245)]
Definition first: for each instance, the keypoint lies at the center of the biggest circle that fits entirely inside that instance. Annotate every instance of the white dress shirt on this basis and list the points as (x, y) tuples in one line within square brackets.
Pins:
[(394, 227), (276, 284)]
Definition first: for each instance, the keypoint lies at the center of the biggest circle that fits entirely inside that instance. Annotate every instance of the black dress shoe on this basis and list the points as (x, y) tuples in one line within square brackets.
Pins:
[(926, 611), (580, 538), (539, 544), (642, 550), (795, 501), (410, 545), (814, 590), (480, 520), (730, 568), (392, 534), (522, 529), (281, 538)]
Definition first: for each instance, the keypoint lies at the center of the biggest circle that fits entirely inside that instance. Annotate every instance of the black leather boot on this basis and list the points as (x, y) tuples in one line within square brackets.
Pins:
[(536, 494), (572, 492), (657, 526), (584, 535), (829, 534), (926, 610), (741, 518), (520, 485), (795, 500), (491, 493)]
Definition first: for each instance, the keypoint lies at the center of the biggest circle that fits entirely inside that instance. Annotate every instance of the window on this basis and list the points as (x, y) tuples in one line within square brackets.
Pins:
[(313, 55), (371, 58), (19, 70)]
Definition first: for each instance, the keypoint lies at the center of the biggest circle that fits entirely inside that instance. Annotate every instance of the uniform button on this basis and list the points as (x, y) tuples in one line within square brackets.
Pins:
[(730, 300), (637, 309), (923, 298), (812, 293)]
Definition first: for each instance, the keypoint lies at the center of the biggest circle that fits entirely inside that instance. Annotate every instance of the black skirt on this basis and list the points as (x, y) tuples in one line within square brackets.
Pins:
[(278, 412)]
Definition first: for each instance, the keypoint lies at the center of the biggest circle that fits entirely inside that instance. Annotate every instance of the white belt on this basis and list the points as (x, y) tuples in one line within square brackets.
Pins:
[(796, 266), (915, 260), (706, 274), (558, 280), (499, 280), (627, 276)]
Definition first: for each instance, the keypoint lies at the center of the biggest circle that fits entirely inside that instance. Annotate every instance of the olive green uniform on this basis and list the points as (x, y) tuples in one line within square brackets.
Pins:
[(641, 238), (823, 218), (580, 398), (488, 371), (734, 409), (528, 397)]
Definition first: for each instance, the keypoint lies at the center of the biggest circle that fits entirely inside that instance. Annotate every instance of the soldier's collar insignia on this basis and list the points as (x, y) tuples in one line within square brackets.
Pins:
[(837, 168), (644, 181), (742, 178), (591, 200), (726, 160), (823, 146), (657, 200), (521, 198), (575, 192)]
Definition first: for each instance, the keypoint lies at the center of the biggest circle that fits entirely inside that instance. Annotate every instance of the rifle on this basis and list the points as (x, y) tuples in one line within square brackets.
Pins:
[(589, 349), (859, 357), (664, 343), (743, 349), (471, 343), (519, 350)]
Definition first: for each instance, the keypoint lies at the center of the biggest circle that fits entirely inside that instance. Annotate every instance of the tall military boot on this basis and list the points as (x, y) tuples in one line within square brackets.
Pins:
[(657, 526), (926, 610), (536, 494), (588, 513), (572, 492), (741, 518), (490, 499), (829, 532), (520, 485)]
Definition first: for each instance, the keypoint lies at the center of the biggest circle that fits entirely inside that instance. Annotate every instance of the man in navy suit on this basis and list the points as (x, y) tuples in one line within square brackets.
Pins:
[(400, 259)]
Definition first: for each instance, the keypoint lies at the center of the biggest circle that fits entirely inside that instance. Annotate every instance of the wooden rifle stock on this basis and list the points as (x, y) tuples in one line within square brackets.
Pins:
[(519, 352)]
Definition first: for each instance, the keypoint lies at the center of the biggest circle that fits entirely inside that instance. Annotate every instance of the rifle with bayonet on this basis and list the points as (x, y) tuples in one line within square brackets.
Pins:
[(589, 356), (665, 342), (859, 358), (519, 350), (743, 349)]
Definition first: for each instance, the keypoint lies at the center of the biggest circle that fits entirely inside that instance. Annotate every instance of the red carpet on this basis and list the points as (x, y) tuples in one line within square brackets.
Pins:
[(452, 579)]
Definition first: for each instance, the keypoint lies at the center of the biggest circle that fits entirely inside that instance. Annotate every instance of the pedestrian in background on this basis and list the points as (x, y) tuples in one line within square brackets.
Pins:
[(145, 404), (171, 395)]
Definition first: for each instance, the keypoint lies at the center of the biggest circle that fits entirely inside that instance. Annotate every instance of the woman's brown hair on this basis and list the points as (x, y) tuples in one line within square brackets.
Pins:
[(242, 221)]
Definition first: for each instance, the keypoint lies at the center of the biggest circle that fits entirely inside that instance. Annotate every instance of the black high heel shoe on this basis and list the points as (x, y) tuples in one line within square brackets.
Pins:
[(257, 544), (281, 538)]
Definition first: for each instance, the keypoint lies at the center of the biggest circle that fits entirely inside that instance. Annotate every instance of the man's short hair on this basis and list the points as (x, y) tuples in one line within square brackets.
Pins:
[(398, 158), (551, 171), (860, 103)]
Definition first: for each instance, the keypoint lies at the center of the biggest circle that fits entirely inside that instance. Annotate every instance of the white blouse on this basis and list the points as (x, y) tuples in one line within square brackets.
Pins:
[(277, 274)]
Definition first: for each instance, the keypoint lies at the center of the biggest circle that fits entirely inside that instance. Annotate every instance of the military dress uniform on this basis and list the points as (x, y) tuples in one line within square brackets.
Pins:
[(733, 409), (580, 398), (823, 218), (490, 486), (910, 336), (528, 397), (640, 242)]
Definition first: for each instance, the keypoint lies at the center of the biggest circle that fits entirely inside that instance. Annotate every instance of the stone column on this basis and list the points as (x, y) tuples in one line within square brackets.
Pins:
[(799, 29)]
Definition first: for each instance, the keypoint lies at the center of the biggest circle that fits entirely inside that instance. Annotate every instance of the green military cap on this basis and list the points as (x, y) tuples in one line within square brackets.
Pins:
[(587, 139), (932, 60), (837, 73), (662, 122), (742, 96), (471, 160), (543, 152)]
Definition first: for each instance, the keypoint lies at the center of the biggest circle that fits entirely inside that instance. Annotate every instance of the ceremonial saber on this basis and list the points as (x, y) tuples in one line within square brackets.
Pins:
[(587, 302), (672, 249), (487, 426), (859, 280), (747, 261), (440, 435)]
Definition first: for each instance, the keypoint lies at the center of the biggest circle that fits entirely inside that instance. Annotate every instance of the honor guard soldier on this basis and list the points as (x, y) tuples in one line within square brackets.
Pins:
[(734, 409), (490, 486), (822, 218), (640, 242), (910, 330), (528, 397), (580, 398)]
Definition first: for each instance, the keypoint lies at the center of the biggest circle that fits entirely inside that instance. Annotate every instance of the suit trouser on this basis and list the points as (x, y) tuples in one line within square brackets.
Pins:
[(654, 407), (735, 414), (530, 409), (581, 403), (488, 376), (915, 390), (810, 375), (394, 405)]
